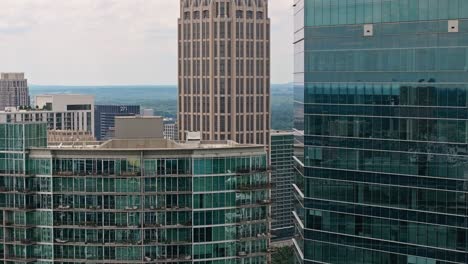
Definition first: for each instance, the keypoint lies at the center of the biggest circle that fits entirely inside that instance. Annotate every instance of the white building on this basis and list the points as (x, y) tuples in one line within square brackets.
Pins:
[(170, 129), (62, 112)]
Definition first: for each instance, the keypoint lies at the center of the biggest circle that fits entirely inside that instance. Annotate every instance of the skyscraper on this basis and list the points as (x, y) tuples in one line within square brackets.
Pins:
[(224, 70), (14, 90), (282, 178), (386, 97), (130, 200)]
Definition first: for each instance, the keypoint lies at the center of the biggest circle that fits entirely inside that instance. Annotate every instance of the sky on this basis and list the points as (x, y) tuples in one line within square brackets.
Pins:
[(110, 42)]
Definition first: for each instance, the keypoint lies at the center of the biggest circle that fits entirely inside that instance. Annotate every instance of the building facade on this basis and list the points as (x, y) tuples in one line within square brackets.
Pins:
[(282, 178), (170, 129), (62, 112), (385, 157), (131, 201), (224, 70), (104, 121), (14, 91)]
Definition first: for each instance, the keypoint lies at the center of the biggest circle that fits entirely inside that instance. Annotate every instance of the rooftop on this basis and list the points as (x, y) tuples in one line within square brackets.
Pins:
[(14, 110), (11, 76), (139, 117), (148, 144)]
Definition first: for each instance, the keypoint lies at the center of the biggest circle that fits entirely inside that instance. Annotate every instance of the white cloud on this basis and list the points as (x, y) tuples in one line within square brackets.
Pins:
[(80, 42)]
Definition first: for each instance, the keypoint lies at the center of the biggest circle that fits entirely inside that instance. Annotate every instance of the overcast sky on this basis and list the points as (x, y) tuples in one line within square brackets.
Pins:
[(110, 42)]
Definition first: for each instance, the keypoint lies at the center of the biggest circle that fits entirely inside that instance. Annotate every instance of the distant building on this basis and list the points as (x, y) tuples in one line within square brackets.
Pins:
[(61, 112), (170, 129), (14, 91), (147, 112), (104, 121), (131, 201), (130, 127), (282, 178), (224, 70)]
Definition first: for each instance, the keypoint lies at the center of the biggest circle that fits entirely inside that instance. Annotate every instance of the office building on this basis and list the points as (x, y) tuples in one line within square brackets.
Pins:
[(131, 200), (282, 178), (14, 91), (385, 85), (170, 129), (63, 113), (224, 70), (104, 121)]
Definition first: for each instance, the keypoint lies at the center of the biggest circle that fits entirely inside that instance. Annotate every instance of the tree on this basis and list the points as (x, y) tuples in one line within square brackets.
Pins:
[(283, 255)]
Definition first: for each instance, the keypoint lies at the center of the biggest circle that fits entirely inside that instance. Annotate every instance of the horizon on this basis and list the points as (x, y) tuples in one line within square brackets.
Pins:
[(121, 85)]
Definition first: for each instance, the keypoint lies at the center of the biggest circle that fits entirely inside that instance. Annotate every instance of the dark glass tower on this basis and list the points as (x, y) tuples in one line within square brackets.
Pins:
[(104, 118), (385, 131)]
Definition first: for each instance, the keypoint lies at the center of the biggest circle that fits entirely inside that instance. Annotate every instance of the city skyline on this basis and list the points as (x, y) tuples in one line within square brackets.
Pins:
[(103, 42)]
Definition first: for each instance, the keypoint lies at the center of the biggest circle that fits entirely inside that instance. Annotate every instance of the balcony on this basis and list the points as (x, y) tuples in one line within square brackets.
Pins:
[(246, 221), (20, 225), (63, 207), (172, 258), (253, 187), (4, 189), (131, 208), (168, 208), (180, 242), (130, 173), (252, 237), (247, 171), (16, 241), (20, 259), (63, 173), (14, 174), (254, 204), (264, 202), (244, 254), (97, 173)]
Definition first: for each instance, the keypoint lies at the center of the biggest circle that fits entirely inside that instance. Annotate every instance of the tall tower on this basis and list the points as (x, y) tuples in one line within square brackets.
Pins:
[(385, 96), (224, 70), (14, 90)]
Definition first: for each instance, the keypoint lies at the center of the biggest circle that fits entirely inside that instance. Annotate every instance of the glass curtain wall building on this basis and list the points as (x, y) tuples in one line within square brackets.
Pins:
[(385, 130), (120, 203), (282, 178)]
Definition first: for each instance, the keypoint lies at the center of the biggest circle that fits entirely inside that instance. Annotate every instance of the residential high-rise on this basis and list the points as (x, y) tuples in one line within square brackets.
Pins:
[(68, 111), (131, 201), (386, 97), (104, 118), (14, 91), (282, 178), (224, 70)]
